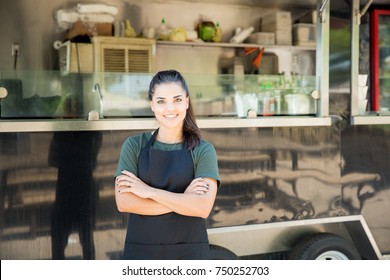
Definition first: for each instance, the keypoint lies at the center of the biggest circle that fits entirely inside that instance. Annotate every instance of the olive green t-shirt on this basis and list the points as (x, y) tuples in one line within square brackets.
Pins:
[(204, 156)]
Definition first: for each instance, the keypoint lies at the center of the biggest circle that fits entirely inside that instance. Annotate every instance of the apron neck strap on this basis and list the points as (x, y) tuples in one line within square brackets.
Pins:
[(152, 139)]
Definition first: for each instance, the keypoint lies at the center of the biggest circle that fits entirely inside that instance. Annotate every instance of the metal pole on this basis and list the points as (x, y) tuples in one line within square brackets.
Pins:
[(322, 57), (355, 57)]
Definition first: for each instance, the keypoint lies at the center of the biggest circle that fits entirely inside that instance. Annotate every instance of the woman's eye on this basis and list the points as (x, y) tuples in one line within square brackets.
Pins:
[(178, 100), (160, 102)]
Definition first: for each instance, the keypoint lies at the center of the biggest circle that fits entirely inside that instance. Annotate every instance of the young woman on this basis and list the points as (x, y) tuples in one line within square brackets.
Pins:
[(167, 179)]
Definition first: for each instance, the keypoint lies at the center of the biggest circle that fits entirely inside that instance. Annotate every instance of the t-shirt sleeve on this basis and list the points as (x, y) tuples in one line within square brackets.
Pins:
[(206, 164), (128, 157)]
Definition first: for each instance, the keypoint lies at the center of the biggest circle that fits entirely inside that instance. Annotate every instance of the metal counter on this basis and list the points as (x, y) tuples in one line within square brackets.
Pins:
[(42, 125)]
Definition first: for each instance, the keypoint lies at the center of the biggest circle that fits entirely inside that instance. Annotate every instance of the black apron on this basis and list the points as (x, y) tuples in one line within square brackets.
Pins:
[(168, 236)]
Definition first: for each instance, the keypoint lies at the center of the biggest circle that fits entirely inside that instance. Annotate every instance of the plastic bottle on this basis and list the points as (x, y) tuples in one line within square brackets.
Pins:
[(163, 32), (218, 33), (240, 37), (268, 107), (129, 30)]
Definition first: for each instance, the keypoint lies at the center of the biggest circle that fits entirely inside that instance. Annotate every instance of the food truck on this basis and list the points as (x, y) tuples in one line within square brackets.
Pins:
[(292, 94)]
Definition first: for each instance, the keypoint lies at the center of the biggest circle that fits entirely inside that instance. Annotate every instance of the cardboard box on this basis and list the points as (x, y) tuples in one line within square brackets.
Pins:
[(276, 21), (304, 34), (80, 28), (264, 38), (283, 37)]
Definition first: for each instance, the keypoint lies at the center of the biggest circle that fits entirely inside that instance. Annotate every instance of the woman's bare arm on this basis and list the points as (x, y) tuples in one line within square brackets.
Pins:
[(197, 200), (131, 203)]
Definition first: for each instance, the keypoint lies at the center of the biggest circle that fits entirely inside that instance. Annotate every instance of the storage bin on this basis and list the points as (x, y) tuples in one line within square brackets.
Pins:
[(283, 37), (304, 34), (264, 38), (276, 21)]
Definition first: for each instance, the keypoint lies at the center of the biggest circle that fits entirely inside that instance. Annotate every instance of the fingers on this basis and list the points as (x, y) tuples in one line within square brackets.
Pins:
[(127, 178), (128, 173), (199, 190), (124, 182), (198, 186)]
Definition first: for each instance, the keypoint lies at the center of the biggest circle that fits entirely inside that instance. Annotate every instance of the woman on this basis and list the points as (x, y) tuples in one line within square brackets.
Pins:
[(167, 180)]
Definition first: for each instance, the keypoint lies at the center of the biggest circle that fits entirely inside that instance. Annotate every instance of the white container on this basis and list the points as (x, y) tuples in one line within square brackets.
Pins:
[(240, 37), (304, 34), (276, 21), (245, 104), (264, 38), (297, 104), (283, 37)]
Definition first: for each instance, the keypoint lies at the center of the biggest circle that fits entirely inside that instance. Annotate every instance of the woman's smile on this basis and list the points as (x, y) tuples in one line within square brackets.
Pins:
[(170, 104)]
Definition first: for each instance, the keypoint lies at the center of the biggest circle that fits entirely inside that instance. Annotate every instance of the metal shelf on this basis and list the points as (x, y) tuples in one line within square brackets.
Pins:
[(231, 45)]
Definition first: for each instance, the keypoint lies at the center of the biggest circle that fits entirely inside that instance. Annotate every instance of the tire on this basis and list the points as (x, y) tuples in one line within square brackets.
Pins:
[(221, 253), (324, 246)]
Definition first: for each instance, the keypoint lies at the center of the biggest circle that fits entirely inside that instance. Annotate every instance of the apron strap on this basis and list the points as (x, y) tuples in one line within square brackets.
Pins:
[(151, 140)]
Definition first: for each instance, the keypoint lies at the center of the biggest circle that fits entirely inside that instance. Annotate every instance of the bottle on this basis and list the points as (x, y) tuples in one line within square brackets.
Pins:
[(129, 30), (268, 108), (218, 34), (240, 37), (163, 32)]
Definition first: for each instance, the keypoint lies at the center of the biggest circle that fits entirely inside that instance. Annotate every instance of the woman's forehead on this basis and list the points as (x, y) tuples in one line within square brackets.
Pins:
[(169, 90)]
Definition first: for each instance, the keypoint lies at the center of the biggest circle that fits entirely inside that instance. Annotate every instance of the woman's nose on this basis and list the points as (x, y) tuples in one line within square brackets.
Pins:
[(170, 106)]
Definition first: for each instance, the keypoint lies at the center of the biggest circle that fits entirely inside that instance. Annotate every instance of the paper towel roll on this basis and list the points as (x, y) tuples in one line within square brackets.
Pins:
[(57, 44)]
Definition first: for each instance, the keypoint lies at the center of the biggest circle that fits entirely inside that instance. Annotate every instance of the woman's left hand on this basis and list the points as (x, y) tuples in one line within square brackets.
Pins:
[(198, 186), (129, 183)]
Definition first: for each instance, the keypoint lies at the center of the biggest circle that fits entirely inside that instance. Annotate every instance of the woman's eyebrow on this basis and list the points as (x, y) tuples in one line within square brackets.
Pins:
[(176, 96)]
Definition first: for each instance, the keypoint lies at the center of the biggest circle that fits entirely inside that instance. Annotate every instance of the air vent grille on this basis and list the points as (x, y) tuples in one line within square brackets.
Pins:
[(114, 60), (138, 61), (114, 54)]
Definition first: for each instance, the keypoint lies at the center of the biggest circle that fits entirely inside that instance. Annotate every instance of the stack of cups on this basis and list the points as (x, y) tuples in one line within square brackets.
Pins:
[(362, 94)]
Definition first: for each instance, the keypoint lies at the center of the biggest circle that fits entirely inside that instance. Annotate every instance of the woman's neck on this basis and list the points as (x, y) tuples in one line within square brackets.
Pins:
[(169, 136)]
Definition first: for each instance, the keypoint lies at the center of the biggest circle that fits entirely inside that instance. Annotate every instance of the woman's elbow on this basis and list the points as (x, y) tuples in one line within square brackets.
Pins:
[(121, 206), (204, 213)]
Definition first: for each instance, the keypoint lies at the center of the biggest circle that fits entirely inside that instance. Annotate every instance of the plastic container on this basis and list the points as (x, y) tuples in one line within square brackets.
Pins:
[(264, 38), (240, 37), (276, 21), (297, 104), (304, 34), (162, 31), (218, 33)]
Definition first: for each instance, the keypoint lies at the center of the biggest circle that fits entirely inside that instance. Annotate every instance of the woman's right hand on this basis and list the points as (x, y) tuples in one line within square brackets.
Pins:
[(198, 186)]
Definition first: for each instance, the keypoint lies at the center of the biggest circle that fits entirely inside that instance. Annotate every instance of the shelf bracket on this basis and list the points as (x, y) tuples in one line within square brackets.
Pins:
[(322, 11), (360, 14)]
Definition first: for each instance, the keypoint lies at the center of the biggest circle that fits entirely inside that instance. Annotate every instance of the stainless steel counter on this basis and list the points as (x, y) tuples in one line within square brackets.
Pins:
[(47, 125)]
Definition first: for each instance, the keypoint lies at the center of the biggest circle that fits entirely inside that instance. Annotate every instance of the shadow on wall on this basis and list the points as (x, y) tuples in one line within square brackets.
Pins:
[(74, 154)]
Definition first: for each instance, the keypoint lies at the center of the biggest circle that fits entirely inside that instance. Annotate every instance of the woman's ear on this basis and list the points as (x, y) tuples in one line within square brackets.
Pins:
[(151, 106)]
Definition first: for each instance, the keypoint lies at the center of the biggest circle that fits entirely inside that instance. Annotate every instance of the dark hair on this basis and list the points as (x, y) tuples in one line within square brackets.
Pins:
[(191, 131)]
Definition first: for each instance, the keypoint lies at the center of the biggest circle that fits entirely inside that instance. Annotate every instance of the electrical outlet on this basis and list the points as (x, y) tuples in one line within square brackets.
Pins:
[(15, 49)]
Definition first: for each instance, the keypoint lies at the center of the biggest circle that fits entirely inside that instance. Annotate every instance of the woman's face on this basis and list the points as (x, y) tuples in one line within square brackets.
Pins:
[(169, 104)]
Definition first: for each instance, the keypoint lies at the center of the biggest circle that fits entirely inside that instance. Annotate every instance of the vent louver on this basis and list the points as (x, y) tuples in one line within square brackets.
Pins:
[(134, 55), (138, 61), (114, 60), (108, 54)]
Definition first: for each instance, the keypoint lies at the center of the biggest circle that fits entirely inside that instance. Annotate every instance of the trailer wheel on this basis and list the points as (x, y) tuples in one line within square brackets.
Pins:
[(221, 253), (324, 246)]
